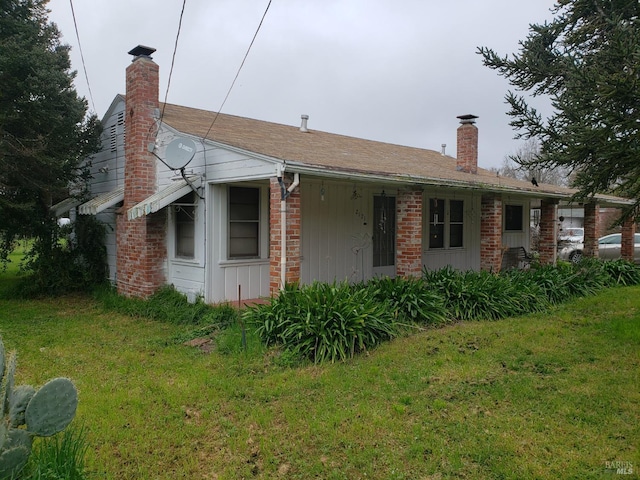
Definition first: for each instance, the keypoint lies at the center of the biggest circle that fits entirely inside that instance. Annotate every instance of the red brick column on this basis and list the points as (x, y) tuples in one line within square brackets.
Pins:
[(293, 236), (548, 244), (628, 239), (591, 229), (141, 247), (491, 233), (409, 234)]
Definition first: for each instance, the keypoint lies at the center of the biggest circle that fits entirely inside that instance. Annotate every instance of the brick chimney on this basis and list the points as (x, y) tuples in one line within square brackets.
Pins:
[(467, 154), (140, 242)]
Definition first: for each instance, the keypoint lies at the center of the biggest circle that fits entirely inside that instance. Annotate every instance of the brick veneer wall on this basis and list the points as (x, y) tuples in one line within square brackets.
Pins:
[(548, 238), (607, 221), (141, 242), (293, 232), (591, 229), (491, 233), (409, 234)]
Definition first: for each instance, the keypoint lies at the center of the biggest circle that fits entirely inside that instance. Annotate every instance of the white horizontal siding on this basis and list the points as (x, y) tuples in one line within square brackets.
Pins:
[(187, 278), (224, 165)]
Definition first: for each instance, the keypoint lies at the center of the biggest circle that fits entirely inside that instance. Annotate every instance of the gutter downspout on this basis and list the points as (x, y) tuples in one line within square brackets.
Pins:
[(284, 193)]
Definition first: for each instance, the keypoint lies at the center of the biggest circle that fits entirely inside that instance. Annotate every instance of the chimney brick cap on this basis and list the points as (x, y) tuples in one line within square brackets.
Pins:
[(141, 51), (464, 119)]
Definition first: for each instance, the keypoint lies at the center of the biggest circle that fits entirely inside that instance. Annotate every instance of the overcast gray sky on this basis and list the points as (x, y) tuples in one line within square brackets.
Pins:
[(397, 71)]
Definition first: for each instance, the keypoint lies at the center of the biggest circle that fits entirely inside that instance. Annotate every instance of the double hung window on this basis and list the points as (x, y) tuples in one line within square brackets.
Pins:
[(446, 223), (244, 222)]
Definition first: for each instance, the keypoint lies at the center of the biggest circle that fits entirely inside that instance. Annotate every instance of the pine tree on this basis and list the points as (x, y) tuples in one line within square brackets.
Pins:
[(44, 128), (587, 61)]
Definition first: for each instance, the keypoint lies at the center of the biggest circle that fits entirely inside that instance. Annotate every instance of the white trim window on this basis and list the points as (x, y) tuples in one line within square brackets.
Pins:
[(446, 223), (244, 223), (184, 214)]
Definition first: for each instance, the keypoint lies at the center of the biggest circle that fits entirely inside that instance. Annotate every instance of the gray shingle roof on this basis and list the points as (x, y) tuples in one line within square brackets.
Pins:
[(332, 153)]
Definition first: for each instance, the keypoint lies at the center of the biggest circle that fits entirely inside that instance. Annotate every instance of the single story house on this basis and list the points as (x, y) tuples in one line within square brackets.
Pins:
[(229, 208)]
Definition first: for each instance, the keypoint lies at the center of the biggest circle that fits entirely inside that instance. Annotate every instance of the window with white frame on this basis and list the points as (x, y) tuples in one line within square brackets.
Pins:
[(244, 222), (184, 214), (446, 223)]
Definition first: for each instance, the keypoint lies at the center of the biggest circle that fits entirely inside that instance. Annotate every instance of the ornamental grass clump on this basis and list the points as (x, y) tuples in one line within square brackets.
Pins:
[(622, 272), (483, 295), (323, 322), (408, 299), (553, 282), (59, 457), (590, 277)]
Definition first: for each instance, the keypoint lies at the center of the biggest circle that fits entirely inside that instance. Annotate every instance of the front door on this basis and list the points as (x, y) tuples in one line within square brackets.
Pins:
[(384, 235)]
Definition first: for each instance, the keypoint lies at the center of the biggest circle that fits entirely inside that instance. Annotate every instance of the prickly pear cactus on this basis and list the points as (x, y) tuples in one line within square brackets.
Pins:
[(26, 412), (51, 408)]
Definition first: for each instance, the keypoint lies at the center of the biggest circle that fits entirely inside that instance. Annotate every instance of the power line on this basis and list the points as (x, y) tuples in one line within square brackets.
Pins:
[(173, 59), (239, 69), (84, 66)]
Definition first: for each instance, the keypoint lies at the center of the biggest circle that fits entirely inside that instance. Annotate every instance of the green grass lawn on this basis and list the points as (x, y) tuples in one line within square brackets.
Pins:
[(552, 395)]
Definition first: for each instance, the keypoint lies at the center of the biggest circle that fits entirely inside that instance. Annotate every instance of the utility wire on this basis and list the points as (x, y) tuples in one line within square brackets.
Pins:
[(173, 59), (238, 72), (84, 66)]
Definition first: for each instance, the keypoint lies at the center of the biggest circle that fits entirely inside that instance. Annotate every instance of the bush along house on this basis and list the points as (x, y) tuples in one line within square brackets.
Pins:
[(228, 208)]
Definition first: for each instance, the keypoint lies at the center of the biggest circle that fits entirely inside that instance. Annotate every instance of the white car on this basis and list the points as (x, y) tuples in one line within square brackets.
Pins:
[(572, 235), (609, 248)]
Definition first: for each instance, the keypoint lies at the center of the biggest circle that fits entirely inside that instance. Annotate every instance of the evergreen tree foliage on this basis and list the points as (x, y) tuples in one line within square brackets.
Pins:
[(45, 131), (587, 61)]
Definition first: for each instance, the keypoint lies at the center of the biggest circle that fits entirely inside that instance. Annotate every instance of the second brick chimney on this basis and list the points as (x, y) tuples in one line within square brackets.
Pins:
[(140, 242), (467, 151)]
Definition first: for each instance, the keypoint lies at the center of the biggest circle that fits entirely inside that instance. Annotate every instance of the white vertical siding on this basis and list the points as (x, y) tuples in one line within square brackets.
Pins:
[(336, 232), (246, 281)]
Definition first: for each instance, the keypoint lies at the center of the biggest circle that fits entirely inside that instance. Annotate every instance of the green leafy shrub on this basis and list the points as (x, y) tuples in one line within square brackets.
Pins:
[(323, 321), (59, 263), (408, 298)]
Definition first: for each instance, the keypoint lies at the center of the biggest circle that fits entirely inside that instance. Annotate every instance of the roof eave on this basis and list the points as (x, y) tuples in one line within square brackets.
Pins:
[(439, 182)]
